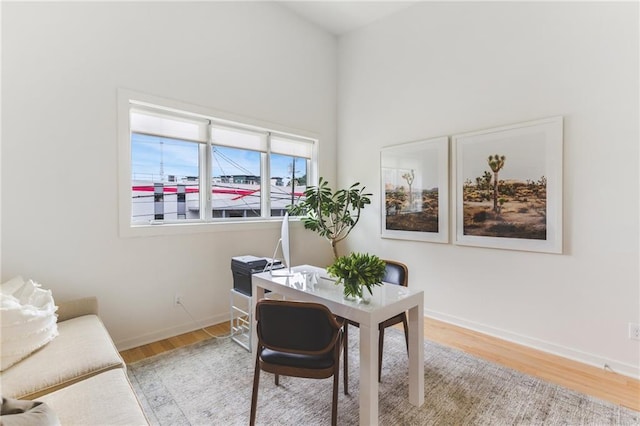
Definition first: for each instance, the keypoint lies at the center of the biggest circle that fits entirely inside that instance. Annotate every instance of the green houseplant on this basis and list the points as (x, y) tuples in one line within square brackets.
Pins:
[(332, 214), (356, 272)]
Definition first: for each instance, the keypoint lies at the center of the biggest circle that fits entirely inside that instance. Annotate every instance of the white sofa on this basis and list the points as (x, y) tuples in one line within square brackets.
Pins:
[(80, 375)]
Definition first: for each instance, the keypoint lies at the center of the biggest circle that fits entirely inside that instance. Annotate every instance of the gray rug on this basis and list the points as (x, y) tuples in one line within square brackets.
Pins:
[(210, 383)]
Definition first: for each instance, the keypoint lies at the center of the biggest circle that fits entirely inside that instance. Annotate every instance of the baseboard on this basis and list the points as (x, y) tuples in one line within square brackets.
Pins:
[(541, 345), (170, 332)]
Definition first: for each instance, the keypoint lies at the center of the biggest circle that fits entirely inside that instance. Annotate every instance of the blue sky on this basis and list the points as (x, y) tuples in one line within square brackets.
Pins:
[(181, 159)]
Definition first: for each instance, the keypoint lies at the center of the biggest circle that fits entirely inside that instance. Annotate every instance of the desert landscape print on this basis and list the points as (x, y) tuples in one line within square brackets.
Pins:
[(415, 190), (408, 209), (504, 188), (411, 187)]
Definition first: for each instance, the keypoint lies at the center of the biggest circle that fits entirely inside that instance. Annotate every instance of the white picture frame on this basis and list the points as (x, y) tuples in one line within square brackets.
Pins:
[(526, 212), (414, 182)]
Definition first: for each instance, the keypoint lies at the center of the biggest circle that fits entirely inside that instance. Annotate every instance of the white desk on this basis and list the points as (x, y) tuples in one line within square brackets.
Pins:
[(387, 300)]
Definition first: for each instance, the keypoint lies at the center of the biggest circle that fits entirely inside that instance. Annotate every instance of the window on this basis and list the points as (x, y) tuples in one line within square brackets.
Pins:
[(159, 187), (290, 161), (186, 167)]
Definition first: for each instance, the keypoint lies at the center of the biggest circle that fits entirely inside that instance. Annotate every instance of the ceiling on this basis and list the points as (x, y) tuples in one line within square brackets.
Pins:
[(340, 17)]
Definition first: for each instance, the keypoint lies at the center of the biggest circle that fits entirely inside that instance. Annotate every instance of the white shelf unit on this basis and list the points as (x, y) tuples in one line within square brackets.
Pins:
[(241, 319)]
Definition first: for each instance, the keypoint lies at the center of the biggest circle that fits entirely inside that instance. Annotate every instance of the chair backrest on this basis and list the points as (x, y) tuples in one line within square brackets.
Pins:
[(396, 273), (302, 327)]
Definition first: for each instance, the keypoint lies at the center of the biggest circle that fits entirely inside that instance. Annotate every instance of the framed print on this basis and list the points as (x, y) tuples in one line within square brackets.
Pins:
[(508, 187), (415, 190)]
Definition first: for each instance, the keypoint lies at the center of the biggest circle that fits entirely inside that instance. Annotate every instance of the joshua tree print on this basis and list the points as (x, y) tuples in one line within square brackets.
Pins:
[(409, 178), (496, 162)]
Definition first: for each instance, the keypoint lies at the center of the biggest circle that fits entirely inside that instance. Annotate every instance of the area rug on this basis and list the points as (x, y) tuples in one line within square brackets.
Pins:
[(210, 383)]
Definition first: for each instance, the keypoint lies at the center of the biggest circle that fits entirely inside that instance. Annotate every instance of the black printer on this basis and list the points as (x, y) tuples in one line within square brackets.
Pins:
[(242, 267)]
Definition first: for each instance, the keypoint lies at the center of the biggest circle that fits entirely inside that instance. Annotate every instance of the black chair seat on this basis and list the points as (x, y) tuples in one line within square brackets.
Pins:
[(297, 360)]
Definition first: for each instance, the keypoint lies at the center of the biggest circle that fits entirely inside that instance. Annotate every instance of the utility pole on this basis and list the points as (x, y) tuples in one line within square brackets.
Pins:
[(293, 180), (161, 160)]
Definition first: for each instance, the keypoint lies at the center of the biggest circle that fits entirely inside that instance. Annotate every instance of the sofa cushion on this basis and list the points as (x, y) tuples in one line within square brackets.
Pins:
[(77, 308), (27, 319), (83, 349), (104, 399)]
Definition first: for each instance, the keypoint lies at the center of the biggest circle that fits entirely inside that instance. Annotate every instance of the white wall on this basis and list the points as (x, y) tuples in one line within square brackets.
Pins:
[(444, 68), (61, 66)]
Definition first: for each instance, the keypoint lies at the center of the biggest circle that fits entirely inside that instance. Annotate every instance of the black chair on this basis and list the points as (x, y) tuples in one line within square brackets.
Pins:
[(395, 273), (297, 339)]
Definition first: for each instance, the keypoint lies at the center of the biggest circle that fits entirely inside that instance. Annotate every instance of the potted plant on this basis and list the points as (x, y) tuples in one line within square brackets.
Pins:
[(331, 214), (356, 272)]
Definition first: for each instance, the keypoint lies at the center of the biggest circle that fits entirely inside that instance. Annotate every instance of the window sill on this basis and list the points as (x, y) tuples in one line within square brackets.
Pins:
[(159, 229)]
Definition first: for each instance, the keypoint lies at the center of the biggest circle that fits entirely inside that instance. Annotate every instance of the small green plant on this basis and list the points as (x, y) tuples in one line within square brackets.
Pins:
[(357, 271)]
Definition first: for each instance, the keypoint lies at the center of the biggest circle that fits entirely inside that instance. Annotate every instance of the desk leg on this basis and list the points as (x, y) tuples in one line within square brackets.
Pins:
[(257, 294), (368, 375), (416, 355)]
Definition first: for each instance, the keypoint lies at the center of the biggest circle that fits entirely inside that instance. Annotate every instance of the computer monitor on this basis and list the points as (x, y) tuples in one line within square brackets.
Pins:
[(284, 242)]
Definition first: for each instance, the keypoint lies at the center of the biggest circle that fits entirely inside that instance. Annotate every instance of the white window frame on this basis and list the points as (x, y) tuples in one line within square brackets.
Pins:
[(128, 100)]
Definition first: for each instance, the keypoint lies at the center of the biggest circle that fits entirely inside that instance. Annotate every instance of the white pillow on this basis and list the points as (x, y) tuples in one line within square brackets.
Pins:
[(12, 285), (28, 320)]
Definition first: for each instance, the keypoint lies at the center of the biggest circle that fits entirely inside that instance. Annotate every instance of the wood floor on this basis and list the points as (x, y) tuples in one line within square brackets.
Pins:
[(583, 378)]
